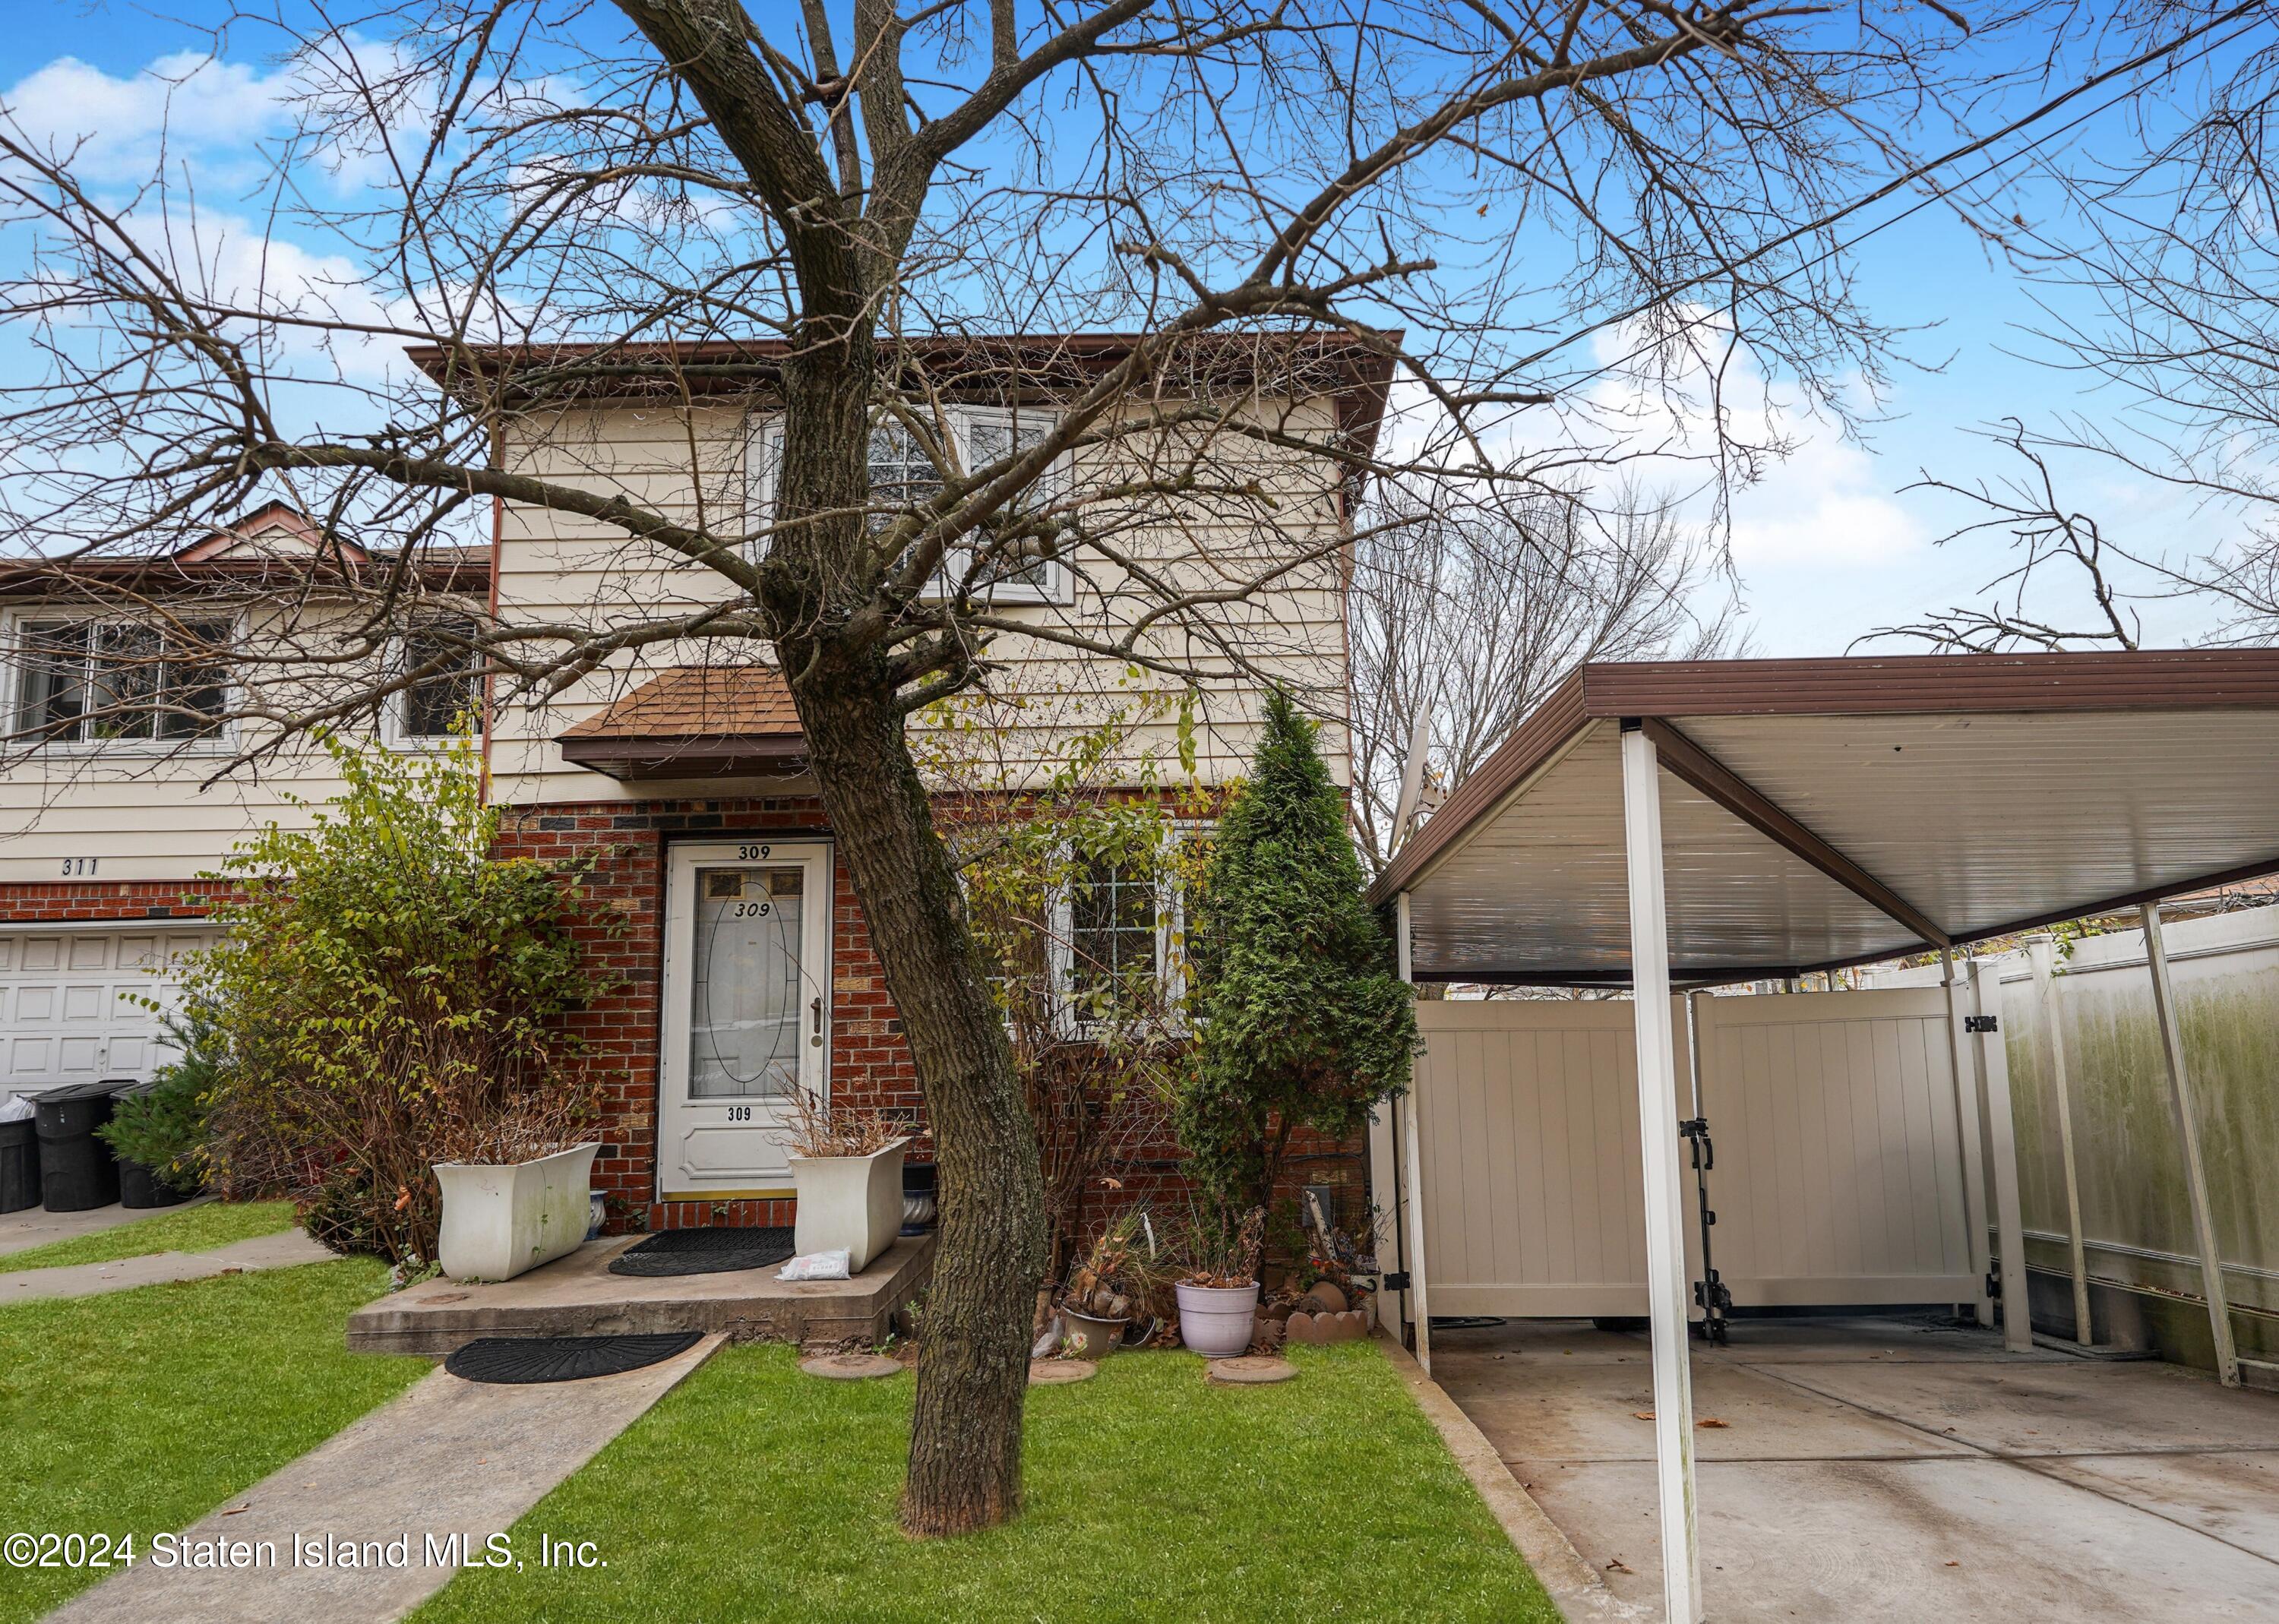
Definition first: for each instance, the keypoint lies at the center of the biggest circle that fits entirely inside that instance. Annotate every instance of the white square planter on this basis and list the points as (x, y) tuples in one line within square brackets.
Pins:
[(850, 1201), (501, 1218)]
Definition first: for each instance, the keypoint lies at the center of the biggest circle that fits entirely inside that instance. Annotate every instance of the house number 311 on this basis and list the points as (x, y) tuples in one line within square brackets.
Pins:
[(80, 868)]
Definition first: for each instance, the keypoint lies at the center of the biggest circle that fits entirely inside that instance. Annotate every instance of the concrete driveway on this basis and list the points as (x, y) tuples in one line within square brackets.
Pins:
[(1895, 1470)]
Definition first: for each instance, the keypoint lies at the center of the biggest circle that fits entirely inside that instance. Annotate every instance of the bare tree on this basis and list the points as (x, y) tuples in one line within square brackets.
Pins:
[(2045, 534), (819, 217), (1462, 616), (2164, 300)]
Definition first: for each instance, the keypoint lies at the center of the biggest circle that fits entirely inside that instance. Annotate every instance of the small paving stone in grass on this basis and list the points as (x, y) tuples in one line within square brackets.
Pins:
[(1251, 1370), (850, 1367)]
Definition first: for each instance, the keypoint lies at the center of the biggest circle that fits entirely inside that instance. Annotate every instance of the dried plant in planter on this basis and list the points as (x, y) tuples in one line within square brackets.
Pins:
[(1121, 1276), (531, 1128), (1216, 1259), (818, 1128)]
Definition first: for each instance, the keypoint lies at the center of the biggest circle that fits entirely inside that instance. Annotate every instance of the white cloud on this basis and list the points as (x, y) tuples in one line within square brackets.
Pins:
[(1826, 504), (184, 106), (1816, 499)]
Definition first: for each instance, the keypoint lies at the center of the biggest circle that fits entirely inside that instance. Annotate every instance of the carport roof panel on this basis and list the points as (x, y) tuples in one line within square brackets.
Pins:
[(1989, 792)]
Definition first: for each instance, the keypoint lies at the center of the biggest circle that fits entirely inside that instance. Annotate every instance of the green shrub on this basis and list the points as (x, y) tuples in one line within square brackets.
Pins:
[(1300, 1018), (389, 994), (166, 1127)]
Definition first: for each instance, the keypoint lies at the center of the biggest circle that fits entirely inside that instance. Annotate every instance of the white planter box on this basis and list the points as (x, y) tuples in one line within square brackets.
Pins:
[(500, 1220), (850, 1201)]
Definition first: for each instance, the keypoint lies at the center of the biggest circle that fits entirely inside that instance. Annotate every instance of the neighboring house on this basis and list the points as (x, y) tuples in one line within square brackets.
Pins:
[(111, 807), (746, 970)]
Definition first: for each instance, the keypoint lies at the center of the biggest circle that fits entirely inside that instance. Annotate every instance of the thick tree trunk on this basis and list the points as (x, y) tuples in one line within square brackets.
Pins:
[(973, 1363)]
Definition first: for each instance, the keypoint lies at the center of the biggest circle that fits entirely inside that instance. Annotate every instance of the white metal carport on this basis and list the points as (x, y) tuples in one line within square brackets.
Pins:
[(1698, 824)]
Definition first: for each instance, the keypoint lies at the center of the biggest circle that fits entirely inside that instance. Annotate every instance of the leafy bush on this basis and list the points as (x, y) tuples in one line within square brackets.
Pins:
[(166, 1127), (1302, 1019), (1096, 1045), (388, 995)]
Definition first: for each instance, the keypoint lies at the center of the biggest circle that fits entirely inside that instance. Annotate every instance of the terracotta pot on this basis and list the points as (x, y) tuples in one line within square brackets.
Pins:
[(1218, 1321)]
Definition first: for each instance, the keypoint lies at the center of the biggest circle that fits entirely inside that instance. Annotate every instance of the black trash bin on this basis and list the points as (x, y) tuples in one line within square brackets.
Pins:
[(138, 1185), (19, 1166), (77, 1170)]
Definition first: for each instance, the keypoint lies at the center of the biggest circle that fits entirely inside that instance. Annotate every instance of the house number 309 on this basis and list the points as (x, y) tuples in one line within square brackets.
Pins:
[(740, 1114), (80, 868)]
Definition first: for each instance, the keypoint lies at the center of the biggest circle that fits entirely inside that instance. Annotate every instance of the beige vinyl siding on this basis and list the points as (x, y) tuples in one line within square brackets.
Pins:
[(154, 819), (142, 809), (587, 577)]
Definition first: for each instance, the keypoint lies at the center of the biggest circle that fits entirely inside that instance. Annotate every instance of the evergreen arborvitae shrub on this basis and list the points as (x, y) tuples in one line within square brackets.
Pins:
[(1300, 1017)]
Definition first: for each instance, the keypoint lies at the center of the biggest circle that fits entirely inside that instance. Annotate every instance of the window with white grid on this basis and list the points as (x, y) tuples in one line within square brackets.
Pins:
[(902, 473)]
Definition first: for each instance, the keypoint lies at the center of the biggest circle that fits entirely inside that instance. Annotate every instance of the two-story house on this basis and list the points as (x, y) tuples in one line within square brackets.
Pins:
[(744, 971)]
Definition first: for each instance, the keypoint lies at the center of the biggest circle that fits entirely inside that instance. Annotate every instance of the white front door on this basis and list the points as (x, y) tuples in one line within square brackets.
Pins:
[(747, 1018)]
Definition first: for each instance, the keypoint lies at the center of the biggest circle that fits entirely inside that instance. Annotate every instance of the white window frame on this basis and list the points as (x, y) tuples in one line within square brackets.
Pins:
[(220, 741), (762, 448), (394, 734), (1171, 952)]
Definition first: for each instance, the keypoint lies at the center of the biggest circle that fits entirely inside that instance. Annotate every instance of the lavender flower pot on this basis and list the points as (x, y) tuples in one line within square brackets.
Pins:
[(1216, 1322)]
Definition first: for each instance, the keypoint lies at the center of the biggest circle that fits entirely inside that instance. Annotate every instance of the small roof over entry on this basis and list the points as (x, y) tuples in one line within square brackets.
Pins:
[(1821, 813)]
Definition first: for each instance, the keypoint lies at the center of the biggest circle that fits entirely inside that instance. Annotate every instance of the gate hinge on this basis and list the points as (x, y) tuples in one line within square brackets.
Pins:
[(1395, 1280), (1982, 1024)]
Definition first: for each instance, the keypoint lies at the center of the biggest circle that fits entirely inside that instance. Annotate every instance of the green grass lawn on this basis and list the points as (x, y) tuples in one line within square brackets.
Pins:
[(188, 1228), (754, 1492), (143, 1410)]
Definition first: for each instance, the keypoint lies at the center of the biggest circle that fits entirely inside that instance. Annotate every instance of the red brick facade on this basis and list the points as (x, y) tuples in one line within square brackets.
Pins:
[(870, 1062), (98, 902)]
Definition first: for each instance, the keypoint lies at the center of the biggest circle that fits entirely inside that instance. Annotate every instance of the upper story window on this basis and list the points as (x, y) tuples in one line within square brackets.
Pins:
[(97, 681), (449, 694), (904, 471)]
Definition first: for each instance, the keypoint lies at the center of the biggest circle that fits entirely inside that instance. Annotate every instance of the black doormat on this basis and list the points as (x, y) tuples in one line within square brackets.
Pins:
[(704, 1252), (563, 1358)]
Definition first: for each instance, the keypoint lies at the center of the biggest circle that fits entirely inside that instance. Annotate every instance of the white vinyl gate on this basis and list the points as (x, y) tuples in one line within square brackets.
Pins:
[(1839, 1144)]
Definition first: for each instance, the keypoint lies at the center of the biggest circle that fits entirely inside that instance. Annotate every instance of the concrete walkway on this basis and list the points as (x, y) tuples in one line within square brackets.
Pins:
[(35, 1226), (282, 1250), (449, 1460), (1887, 1470)]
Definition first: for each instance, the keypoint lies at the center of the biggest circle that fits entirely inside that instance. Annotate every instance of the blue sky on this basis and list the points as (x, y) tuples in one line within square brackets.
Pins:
[(1829, 546)]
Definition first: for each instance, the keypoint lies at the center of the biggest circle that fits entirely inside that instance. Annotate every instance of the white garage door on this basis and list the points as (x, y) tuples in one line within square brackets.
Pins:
[(71, 1002)]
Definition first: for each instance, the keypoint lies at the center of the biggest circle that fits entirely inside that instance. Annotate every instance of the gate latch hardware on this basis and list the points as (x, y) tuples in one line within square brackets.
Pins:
[(1982, 1024), (1993, 1284)]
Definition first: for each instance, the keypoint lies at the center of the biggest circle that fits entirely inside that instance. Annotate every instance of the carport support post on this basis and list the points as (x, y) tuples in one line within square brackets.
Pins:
[(1665, 1201), (1412, 1160), (2040, 952), (2188, 1135)]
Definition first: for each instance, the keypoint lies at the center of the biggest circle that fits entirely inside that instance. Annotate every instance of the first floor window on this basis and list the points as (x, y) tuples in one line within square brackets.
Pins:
[(1116, 929), (87, 681)]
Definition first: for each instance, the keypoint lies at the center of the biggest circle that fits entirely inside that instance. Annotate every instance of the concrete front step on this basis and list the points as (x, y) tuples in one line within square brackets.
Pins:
[(578, 1296)]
